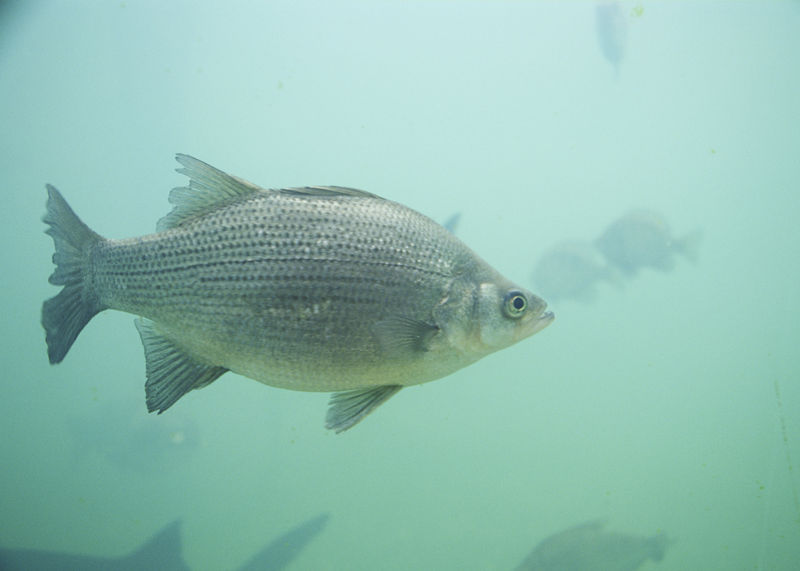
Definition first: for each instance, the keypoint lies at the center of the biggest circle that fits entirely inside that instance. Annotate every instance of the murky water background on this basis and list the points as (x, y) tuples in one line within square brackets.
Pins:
[(654, 406)]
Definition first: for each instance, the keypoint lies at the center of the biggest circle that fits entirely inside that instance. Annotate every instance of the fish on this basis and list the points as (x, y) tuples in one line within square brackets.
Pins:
[(126, 438), (612, 32), (451, 224), (571, 270), (643, 239), (320, 288), (162, 551), (282, 550), (587, 547)]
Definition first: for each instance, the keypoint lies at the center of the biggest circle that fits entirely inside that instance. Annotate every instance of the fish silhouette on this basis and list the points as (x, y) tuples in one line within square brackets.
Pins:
[(164, 551)]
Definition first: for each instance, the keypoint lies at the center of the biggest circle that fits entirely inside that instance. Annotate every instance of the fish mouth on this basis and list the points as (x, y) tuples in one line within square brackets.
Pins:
[(539, 322), (544, 320), (539, 317)]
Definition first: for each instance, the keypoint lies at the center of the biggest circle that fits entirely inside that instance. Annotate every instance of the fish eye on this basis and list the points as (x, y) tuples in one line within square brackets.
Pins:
[(515, 304)]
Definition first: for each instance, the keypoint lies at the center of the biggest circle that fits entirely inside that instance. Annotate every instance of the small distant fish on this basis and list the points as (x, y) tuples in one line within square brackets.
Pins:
[(122, 434), (588, 548), (570, 270), (451, 224), (319, 288), (642, 239), (612, 32)]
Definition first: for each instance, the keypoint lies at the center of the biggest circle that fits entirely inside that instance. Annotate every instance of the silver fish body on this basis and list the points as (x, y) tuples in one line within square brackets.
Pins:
[(312, 289), (588, 547)]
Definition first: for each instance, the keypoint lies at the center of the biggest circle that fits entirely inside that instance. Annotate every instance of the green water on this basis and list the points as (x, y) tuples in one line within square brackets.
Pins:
[(655, 407)]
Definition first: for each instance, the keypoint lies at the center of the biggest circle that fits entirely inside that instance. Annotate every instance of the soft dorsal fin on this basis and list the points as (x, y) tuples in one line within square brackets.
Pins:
[(208, 188), (328, 191)]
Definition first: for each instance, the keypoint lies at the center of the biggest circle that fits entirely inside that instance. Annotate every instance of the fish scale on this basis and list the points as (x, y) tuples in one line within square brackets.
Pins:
[(313, 289)]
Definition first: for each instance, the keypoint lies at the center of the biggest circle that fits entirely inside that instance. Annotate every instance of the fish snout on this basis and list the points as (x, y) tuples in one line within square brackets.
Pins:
[(537, 318)]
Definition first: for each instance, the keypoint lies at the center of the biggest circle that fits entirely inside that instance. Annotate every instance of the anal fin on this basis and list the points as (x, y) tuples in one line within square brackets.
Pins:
[(171, 372), (348, 408)]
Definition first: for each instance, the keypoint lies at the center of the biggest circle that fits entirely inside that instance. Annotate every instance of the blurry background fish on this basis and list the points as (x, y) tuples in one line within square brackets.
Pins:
[(164, 551), (612, 32), (452, 223), (570, 270), (284, 549), (126, 436), (643, 239), (588, 547), (573, 269)]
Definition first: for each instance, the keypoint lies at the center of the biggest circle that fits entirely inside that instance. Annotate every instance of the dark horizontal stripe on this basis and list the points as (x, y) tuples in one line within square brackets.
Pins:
[(109, 268)]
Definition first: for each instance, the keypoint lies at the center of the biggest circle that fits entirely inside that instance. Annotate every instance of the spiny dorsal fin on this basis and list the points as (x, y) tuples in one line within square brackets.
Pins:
[(348, 408), (209, 188), (171, 373)]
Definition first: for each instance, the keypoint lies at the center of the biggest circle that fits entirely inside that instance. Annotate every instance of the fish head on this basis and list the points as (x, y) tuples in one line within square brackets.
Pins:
[(506, 314), (490, 315)]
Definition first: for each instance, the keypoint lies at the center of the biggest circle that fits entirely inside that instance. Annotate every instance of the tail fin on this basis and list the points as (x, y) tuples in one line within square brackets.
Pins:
[(65, 315)]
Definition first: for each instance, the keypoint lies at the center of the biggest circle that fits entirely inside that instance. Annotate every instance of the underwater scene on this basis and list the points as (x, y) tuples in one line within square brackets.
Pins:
[(442, 285)]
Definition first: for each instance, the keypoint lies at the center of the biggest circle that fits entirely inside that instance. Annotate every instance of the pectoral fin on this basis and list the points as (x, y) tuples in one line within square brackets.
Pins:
[(348, 408), (171, 372), (399, 334)]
